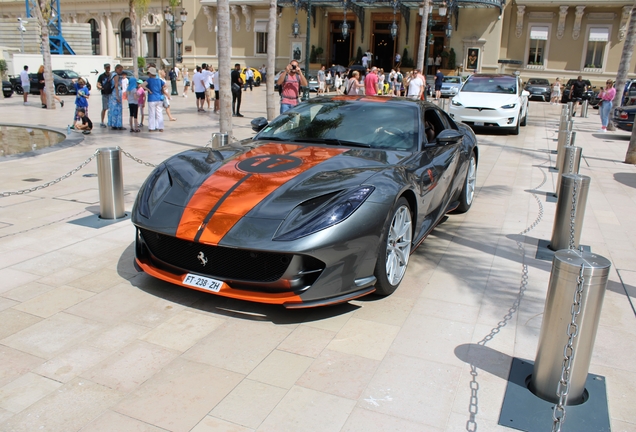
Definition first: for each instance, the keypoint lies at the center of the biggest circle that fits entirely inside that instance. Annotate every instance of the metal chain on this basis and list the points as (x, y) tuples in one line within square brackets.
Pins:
[(573, 212), (47, 184), (139, 161), (563, 389)]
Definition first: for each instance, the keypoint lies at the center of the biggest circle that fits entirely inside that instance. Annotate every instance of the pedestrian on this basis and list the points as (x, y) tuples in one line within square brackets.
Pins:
[(290, 81), (249, 78), (398, 58), (198, 80), (25, 82), (576, 93), (124, 87), (263, 72), (338, 83), (398, 82), (322, 81), (415, 86), (354, 85), (41, 86), (133, 104), (217, 87), (166, 95), (365, 61), (607, 95), (115, 116), (83, 123), (237, 83), (141, 102), (155, 87), (81, 98), (371, 82), (209, 84), (556, 92), (186, 81), (106, 90), (439, 79)]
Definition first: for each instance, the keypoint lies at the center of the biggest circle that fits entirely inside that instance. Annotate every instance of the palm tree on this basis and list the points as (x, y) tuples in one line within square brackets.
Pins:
[(271, 60), (42, 9), (133, 5), (623, 67), (422, 46), (223, 35)]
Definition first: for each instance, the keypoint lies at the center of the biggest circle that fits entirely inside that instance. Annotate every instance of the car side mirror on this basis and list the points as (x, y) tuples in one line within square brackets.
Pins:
[(525, 93), (449, 136), (258, 124)]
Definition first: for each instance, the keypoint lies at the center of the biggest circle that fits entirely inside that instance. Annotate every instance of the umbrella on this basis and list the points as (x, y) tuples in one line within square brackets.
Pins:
[(337, 68)]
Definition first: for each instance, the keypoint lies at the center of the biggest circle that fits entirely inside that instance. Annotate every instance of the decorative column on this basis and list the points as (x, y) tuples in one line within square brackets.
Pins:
[(622, 30), (103, 41), (578, 16), (112, 44), (139, 39), (521, 10), (563, 13)]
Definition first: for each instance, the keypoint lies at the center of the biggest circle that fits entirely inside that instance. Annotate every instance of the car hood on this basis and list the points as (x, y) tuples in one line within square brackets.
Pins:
[(537, 87), (485, 100), (264, 180)]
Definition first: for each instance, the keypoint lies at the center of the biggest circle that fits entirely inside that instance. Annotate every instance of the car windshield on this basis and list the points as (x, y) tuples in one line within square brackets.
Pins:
[(537, 81), (71, 74), (491, 84), (453, 80), (348, 123)]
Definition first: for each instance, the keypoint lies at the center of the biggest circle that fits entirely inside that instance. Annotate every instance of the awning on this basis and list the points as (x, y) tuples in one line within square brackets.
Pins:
[(260, 27), (599, 35), (539, 33)]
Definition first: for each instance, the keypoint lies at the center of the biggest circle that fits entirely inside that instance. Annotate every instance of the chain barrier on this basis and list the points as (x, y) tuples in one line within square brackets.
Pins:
[(57, 180), (46, 224), (563, 388), (473, 406), (139, 161), (575, 185)]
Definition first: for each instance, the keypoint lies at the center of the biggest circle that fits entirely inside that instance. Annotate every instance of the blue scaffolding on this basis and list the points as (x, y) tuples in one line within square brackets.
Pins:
[(56, 40)]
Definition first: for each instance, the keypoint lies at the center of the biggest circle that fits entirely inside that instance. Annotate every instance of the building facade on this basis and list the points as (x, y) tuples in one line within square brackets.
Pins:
[(537, 38)]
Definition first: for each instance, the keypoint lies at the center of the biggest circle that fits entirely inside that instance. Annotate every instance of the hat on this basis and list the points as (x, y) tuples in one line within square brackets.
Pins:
[(139, 81), (152, 71), (106, 65)]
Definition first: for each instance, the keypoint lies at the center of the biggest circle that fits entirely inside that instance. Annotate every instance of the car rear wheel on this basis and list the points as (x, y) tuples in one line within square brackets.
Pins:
[(61, 89), (468, 192), (257, 82), (19, 90), (395, 249)]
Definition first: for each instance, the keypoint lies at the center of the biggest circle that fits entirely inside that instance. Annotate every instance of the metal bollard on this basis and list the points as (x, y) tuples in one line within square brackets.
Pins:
[(111, 183), (219, 140), (557, 316), (564, 227), (584, 106), (570, 110), (564, 140), (570, 163)]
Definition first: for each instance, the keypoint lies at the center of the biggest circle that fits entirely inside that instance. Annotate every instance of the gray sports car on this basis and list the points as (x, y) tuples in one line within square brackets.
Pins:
[(325, 204)]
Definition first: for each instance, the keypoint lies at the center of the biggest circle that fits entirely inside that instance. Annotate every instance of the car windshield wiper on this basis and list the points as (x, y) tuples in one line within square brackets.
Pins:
[(333, 141)]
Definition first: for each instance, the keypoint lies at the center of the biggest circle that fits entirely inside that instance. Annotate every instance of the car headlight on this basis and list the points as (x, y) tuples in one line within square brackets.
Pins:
[(455, 103), (155, 189), (320, 213), (509, 106)]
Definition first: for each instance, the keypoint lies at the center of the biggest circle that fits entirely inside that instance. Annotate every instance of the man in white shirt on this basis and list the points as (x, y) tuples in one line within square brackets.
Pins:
[(25, 83), (365, 61), (416, 85), (198, 80), (207, 72), (249, 78)]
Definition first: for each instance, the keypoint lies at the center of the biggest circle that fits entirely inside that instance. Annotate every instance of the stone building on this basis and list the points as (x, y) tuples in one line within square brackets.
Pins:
[(537, 38)]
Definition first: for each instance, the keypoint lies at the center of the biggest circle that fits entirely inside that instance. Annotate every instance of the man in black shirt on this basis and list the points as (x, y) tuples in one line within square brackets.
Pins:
[(105, 95), (237, 84), (576, 93), (439, 79)]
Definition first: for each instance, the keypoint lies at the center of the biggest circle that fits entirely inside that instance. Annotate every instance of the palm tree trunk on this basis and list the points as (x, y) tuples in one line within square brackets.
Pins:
[(225, 94), (630, 156), (134, 47), (421, 61), (271, 60), (43, 14), (623, 66)]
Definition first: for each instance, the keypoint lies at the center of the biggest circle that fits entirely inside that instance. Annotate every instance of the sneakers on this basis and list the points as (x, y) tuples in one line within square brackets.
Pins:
[(238, 115), (62, 103), (102, 125), (26, 103), (86, 132), (602, 130)]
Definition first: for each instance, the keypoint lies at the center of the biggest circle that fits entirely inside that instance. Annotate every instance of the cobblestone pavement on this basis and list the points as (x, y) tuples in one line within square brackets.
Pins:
[(87, 343)]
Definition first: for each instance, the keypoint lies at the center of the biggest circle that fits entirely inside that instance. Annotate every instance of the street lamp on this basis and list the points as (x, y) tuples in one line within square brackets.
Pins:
[(174, 25), (179, 42)]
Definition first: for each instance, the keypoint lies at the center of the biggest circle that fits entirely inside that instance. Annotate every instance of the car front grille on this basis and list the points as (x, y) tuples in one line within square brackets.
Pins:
[(222, 262)]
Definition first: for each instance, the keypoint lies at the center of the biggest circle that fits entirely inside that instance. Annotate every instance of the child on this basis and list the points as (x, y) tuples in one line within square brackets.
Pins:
[(141, 101), (81, 98), (133, 104), (83, 123)]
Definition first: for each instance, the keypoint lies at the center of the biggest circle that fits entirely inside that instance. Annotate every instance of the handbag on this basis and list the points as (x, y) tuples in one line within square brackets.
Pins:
[(236, 88), (166, 102)]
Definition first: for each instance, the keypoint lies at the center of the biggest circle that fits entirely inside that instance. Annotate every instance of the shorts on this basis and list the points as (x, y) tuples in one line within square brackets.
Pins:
[(216, 94), (187, 83), (321, 85), (133, 109), (105, 99), (26, 89), (576, 98), (208, 93), (438, 87), (200, 95)]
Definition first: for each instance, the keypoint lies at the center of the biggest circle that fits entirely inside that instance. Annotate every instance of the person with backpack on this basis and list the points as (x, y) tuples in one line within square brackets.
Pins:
[(398, 82), (106, 89)]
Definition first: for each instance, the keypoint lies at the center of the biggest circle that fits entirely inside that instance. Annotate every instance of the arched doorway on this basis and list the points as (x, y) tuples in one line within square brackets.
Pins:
[(340, 48), (382, 44), (95, 46), (125, 30)]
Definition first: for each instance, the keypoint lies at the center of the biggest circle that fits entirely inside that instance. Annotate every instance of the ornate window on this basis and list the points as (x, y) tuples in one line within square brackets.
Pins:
[(598, 38), (125, 30), (94, 37), (260, 29), (538, 40)]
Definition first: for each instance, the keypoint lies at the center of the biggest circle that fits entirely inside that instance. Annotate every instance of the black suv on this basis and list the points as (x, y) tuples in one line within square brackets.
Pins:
[(62, 86), (538, 88), (70, 74), (589, 94)]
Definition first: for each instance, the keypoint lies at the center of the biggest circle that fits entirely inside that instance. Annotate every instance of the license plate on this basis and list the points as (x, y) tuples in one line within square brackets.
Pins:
[(479, 123), (202, 282)]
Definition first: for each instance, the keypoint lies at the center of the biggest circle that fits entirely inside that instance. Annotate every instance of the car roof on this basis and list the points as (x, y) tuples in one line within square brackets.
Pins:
[(374, 99), (483, 75)]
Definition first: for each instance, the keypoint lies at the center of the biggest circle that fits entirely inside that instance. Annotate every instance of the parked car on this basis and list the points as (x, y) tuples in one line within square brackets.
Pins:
[(538, 88), (588, 95), (451, 86), (257, 76), (323, 205), (70, 74), (629, 94), (491, 100), (623, 117), (7, 88), (142, 76), (62, 86)]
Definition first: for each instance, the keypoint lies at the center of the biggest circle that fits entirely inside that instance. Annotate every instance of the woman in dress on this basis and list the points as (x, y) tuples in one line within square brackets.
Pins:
[(556, 92), (607, 96), (115, 118)]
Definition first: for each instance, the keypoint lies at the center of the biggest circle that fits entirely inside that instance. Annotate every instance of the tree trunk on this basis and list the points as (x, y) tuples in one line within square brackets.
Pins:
[(623, 67), (630, 156), (271, 60), (225, 94), (134, 47), (421, 61), (43, 14)]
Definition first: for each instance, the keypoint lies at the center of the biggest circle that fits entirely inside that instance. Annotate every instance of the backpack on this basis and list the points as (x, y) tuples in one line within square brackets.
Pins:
[(399, 77), (107, 86)]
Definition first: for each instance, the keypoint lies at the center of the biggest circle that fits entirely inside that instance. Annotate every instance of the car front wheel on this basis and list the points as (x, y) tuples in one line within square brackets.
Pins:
[(395, 249), (468, 192), (61, 89)]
